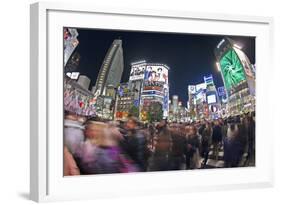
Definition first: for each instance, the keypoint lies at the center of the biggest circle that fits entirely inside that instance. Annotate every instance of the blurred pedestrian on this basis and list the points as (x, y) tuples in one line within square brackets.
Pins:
[(192, 148), (70, 167), (206, 142), (100, 153), (178, 147), (161, 158), (216, 138), (73, 131), (134, 144), (232, 147)]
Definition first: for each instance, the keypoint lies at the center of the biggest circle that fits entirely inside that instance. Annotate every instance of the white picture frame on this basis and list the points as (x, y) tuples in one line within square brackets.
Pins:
[(46, 59)]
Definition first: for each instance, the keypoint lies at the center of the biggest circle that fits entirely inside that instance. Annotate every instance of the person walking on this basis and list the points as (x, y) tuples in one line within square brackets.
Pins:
[(192, 148), (206, 142), (73, 131), (178, 147), (232, 147), (135, 145), (216, 138), (161, 157)]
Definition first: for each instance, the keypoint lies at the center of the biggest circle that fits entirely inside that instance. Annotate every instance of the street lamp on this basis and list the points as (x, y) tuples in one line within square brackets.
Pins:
[(218, 66)]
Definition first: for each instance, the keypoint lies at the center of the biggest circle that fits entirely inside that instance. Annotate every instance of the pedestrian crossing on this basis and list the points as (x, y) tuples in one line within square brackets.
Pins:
[(212, 162)]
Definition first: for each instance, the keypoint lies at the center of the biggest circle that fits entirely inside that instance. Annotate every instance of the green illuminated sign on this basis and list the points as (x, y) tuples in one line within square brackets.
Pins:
[(232, 69)]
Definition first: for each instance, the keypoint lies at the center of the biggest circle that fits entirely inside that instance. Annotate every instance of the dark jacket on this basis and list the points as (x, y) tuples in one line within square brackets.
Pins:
[(233, 151), (161, 158), (217, 134), (134, 145), (194, 142)]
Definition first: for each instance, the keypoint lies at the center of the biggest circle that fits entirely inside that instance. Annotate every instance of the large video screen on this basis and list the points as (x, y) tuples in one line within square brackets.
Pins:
[(232, 69)]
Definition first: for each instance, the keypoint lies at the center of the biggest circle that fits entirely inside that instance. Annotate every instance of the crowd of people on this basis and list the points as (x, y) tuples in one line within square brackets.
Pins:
[(94, 146)]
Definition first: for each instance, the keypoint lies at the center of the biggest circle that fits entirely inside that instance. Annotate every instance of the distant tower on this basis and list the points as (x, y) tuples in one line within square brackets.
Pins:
[(112, 68), (175, 103)]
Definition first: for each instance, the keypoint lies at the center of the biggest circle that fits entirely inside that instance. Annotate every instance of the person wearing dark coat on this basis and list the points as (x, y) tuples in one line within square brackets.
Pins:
[(206, 142), (192, 147), (134, 144), (161, 158), (216, 138), (233, 148), (178, 148)]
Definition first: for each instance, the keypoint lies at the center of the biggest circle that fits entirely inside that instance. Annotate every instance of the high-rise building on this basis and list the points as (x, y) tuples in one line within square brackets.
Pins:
[(110, 91), (112, 68), (212, 107), (175, 103), (149, 90), (136, 80), (70, 42), (73, 62), (155, 91), (238, 76), (203, 100), (124, 102)]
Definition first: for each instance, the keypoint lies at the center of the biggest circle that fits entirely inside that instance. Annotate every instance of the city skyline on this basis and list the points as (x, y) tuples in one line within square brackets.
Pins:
[(189, 56)]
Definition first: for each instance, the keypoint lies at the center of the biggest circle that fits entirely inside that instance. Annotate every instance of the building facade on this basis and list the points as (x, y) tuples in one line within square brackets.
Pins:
[(112, 68), (70, 42), (238, 75)]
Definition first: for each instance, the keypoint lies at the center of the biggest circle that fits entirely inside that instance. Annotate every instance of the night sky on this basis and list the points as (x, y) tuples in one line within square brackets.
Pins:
[(189, 56)]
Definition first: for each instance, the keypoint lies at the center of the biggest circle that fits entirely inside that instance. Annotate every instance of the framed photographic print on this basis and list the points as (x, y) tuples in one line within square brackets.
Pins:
[(127, 102)]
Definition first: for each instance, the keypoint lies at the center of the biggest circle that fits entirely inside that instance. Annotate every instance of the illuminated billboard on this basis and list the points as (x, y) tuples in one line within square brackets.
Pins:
[(245, 62), (155, 86), (208, 80), (73, 75), (211, 99), (232, 69), (201, 86), (221, 91), (248, 70), (137, 72), (191, 89), (157, 73)]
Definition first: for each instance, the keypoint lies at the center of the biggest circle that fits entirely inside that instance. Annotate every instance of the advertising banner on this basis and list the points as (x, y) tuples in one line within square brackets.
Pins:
[(156, 74), (232, 69), (211, 99), (221, 91), (201, 86), (191, 89), (137, 72)]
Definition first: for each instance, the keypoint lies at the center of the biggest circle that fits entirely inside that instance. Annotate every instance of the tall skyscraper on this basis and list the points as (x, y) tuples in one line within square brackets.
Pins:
[(112, 68)]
